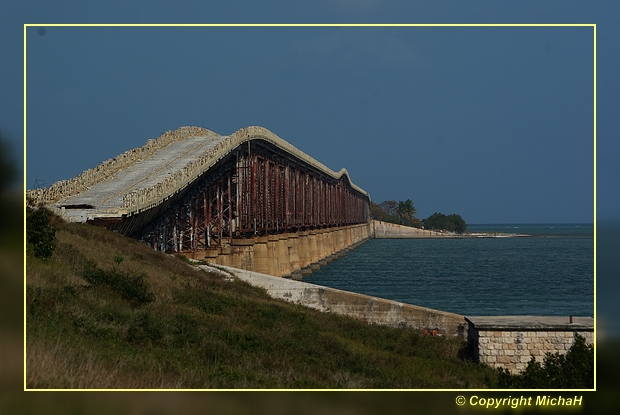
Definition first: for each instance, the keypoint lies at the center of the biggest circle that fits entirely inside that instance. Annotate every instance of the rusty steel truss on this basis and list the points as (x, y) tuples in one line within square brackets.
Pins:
[(256, 190)]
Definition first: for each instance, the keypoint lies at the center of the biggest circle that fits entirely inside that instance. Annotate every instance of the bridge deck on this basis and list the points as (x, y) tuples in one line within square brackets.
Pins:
[(107, 197)]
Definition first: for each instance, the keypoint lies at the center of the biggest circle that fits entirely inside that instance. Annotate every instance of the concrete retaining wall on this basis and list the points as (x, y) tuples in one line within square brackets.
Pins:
[(386, 230), (291, 255), (372, 310)]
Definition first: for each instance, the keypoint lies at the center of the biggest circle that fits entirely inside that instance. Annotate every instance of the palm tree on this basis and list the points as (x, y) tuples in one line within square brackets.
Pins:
[(405, 211)]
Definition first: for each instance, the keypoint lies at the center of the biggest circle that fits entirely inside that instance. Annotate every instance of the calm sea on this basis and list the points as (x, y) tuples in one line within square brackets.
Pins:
[(548, 273)]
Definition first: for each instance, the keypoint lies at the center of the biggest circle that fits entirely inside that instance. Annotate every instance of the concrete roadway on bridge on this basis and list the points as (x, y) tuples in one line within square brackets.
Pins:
[(107, 196)]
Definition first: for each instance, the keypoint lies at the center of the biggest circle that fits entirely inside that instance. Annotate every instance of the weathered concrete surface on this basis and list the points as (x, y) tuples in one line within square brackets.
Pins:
[(531, 322), (290, 255), (107, 170), (372, 310), (386, 230), (107, 196), (511, 341)]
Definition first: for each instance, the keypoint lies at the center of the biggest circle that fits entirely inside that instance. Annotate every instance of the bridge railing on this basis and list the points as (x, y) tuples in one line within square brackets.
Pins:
[(146, 198)]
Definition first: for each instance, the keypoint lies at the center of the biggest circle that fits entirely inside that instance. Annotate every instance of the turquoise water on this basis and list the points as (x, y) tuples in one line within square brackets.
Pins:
[(548, 273)]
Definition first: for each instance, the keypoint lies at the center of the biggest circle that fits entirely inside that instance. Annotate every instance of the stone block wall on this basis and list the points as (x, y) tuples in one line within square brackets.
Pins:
[(513, 347)]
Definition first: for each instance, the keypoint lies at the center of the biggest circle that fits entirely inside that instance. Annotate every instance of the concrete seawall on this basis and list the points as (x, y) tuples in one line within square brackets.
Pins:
[(372, 310), (386, 230)]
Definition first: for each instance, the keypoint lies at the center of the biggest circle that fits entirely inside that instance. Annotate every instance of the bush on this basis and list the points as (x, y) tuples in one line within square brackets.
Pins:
[(40, 232), (186, 330), (132, 288), (574, 370), (144, 329), (450, 223)]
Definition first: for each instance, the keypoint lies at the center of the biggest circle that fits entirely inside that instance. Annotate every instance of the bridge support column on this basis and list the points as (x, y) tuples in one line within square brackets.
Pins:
[(303, 248), (243, 253), (320, 247), (272, 254), (225, 257), (340, 237), (261, 255), (283, 258), (348, 237), (313, 251), (293, 241)]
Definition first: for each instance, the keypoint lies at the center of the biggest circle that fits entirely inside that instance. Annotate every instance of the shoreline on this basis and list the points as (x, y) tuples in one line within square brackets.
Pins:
[(495, 235)]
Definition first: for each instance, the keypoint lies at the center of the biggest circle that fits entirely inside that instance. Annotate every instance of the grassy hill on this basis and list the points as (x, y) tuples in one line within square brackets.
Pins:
[(108, 312)]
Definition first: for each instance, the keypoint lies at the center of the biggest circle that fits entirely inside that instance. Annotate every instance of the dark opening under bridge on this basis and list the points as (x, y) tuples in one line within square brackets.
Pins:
[(202, 194)]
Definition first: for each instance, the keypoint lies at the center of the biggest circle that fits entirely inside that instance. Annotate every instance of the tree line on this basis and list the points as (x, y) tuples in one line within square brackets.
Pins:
[(403, 213)]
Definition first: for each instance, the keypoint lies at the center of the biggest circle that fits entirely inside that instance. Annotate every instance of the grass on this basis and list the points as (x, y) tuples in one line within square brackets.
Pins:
[(107, 312)]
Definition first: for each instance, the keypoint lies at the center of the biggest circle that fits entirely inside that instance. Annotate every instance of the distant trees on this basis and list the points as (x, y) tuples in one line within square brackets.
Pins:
[(450, 223), (402, 212), (405, 211)]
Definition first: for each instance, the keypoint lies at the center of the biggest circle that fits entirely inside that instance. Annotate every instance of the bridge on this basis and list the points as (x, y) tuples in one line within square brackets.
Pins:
[(196, 192)]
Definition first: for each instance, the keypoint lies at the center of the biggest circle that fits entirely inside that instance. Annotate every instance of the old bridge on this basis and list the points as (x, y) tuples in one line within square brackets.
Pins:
[(222, 198)]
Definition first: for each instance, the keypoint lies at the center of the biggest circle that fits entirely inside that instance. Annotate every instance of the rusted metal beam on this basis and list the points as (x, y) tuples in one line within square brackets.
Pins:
[(259, 191)]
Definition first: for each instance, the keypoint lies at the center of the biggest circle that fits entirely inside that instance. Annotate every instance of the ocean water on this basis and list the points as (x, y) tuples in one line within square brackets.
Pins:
[(549, 273)]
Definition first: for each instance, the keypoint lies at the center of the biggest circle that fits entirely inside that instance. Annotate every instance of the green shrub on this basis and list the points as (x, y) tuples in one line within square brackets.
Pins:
[(40, 232), (144, 329), (450, 223), (574, 370), (185, 330), (132, 288)]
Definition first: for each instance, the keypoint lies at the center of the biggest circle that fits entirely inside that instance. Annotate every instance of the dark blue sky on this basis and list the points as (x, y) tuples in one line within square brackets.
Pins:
[(494, 123)]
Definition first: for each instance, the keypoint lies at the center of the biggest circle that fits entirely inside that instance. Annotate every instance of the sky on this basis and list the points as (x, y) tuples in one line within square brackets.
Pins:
[(493, 123)]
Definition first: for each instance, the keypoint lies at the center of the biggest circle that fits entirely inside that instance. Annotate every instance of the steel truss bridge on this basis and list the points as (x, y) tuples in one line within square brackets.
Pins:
[(192, 189)]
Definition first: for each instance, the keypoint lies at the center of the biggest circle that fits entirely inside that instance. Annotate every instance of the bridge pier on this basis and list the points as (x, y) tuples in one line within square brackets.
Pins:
[(289, 255)]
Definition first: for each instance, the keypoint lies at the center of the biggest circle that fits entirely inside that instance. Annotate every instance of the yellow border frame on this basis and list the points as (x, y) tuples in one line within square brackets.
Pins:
[(462, 391)]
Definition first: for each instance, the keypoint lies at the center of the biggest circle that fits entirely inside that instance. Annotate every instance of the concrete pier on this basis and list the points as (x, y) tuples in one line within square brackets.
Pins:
[(289, 255)]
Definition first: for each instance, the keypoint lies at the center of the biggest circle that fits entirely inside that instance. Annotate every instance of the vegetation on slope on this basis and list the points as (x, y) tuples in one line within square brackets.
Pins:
[(107, 312)]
